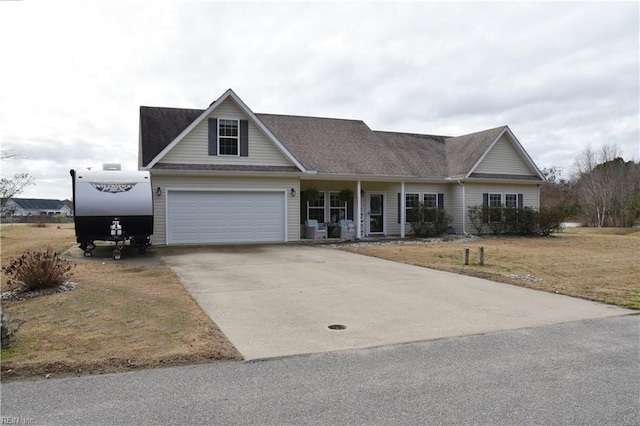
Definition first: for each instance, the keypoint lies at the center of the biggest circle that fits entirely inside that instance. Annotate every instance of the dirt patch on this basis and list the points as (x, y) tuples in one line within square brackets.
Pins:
[(121, 316), (595, 264)]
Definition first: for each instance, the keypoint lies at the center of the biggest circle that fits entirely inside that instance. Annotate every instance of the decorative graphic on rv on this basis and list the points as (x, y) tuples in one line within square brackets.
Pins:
[(113, 188)]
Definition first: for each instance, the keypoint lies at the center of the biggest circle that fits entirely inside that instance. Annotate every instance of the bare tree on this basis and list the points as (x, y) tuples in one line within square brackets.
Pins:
[(10, 187), (7, 153), (607, 187)]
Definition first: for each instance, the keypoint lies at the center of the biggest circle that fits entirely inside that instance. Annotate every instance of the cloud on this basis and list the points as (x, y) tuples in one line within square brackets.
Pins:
[(561, 75)]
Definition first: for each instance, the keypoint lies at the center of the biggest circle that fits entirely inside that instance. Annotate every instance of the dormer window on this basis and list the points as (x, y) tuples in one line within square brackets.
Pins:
[(228, 137)]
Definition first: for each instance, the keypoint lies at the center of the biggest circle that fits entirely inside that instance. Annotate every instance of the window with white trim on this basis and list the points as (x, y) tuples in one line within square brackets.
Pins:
[(495, 201), (315, 209), (228, 137), (511, 201), (337, 208), (430, 201), (412, 202)]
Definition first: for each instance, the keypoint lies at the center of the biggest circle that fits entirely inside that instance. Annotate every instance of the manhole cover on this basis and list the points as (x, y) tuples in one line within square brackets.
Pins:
[(337, 327)]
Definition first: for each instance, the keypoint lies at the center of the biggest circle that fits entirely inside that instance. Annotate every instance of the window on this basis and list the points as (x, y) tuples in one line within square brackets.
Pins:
[(228, 140), (337, 208), (315, 209), (431, 201), (495, 202), (511, 201), (412, 201)]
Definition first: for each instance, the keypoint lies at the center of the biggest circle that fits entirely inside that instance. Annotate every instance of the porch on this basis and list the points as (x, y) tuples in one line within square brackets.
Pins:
[(371, 208)]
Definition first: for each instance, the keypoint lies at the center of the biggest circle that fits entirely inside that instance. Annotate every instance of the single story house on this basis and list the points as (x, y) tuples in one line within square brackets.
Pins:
[(227, 174), (35, 207)]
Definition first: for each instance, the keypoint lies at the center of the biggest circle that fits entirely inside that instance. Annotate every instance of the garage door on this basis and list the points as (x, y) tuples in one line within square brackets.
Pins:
[(224, 217)]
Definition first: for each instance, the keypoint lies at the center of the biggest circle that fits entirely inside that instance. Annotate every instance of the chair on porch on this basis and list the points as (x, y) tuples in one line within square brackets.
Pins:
[(315, 230), (347, 229)]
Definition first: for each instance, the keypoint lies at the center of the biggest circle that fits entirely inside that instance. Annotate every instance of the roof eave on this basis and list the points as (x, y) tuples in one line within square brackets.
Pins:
[(167, 172), (369, 177), (502, 180), (205, 114)]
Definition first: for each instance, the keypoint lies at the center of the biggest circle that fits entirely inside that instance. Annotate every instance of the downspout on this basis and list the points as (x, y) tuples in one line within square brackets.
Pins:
[(358, 210), (402, 211), (464, 207)]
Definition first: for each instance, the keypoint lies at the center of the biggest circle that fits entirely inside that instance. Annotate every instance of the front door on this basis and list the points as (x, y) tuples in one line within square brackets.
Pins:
[(376, 213)]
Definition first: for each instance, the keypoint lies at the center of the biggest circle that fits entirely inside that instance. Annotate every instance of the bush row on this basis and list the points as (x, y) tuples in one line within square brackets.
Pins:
[(516, 221)]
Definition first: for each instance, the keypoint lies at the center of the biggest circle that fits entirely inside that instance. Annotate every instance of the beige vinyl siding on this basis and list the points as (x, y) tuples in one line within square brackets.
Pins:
[(456, 209), (504, 159), (223, 183), (194, 148), (416, 188), (531, 197)]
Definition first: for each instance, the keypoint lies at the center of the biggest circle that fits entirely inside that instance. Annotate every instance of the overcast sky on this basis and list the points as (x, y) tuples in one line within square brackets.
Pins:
[(74, 74)]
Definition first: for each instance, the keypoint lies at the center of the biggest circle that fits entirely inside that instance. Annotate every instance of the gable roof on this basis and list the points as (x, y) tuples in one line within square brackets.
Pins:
[(336, 146), (463, 152), (38, 204), (160, 126), (202, 116)]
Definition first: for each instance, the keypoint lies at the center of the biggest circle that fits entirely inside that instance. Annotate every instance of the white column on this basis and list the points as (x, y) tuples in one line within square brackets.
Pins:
[(402, 210), (358, 210)]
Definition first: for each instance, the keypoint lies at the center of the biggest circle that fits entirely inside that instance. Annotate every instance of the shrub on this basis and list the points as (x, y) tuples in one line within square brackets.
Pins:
[(551, 219), (524, 221), (37, 270), (8, 330), (429, 222), (476, 216)]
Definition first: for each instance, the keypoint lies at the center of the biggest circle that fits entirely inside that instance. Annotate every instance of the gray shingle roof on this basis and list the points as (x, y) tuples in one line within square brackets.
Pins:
[(335, 146), (38, 204), (462, 152), (160, 126)]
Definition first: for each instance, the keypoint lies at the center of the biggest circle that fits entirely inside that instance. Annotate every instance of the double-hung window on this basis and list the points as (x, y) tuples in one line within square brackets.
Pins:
[(337, 208), (430, 201), (412, 202), (228, 137), (315, 209), (495, 202), (511, 201)]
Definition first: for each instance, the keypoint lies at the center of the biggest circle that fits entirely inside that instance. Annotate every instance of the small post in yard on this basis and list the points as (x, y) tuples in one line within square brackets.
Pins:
[(480, 255), (465, 256)]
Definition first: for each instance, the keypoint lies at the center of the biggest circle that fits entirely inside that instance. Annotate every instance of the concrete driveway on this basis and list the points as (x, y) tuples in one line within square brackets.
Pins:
[(275, 300)]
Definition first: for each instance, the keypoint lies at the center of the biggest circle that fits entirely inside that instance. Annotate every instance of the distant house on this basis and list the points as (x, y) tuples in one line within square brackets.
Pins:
[(35, 207), (69, 204), (228, 175)]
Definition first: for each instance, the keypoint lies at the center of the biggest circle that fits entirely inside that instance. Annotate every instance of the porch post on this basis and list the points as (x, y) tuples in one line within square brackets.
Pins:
[(358, 210), (402, 210)]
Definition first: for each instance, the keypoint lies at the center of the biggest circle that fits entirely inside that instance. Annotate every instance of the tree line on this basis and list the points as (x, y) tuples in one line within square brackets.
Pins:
[(603, 190)]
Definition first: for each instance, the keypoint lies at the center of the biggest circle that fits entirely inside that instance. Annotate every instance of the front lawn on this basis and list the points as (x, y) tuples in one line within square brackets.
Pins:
[(120, 317), (595, 264)]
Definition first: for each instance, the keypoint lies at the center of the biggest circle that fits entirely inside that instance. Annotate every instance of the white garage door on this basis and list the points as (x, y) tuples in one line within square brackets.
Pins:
[(225, 217)]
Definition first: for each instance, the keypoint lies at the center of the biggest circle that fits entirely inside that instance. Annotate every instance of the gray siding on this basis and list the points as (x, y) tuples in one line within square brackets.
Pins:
[(193, 149), (223, 183), (504, 159)]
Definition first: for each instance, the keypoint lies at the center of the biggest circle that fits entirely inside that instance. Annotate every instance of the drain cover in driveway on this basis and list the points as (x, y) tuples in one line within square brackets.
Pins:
[(337, 327)]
